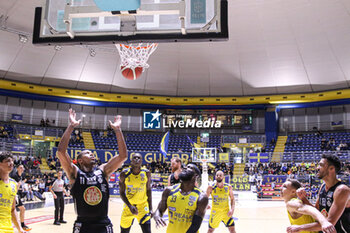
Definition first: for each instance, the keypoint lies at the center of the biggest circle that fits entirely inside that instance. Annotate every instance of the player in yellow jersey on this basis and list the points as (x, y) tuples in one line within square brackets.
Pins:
[(221, 211), (186, 204), (8, 191), (299, 213), (136, 192)]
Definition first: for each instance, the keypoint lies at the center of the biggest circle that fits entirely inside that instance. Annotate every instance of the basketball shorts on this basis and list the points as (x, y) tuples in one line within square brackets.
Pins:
[(93, 227), (18, 201), (142, 217), (220, 216)]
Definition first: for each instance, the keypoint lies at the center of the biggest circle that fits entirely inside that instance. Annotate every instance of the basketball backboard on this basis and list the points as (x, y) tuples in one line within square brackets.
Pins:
[(83, 22)]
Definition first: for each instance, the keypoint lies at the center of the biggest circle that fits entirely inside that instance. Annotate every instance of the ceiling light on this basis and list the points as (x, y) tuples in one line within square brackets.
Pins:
[(92, 52), (22, 38), (58, 47)]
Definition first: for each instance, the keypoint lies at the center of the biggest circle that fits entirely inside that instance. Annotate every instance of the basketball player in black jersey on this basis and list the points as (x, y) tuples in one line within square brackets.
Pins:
[(333, 198), (90, 183), (176, 168)]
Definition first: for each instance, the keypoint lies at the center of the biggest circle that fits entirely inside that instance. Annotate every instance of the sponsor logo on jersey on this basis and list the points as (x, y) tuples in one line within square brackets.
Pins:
[(324, 213), (91, 180), (98, 172), (92, 195)]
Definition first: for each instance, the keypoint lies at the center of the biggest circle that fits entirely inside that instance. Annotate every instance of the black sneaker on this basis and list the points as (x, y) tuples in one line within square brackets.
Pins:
[(56, 223), (62, 221)]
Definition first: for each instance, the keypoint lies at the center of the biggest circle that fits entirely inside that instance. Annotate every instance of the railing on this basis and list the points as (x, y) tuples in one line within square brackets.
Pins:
[(307, 156), (286, 126), (249, 138)]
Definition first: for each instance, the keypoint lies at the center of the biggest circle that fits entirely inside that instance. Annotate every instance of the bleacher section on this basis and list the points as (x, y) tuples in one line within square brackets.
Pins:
[(150, 141), (269, 193), (307, 147)]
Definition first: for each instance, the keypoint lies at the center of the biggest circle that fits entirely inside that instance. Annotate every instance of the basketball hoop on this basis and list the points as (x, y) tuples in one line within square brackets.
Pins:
[(134, 57)]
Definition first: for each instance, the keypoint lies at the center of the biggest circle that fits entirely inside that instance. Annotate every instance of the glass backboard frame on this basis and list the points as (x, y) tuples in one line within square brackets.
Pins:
[(45, 34)]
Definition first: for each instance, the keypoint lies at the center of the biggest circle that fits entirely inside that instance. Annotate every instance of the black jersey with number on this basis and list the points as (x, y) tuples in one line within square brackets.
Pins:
[(325, 203), (173, 180), (91, 194)]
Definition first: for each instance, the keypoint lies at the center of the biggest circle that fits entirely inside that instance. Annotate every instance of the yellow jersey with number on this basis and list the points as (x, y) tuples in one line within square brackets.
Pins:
[(136, 186), (8, 193), (220, 198), (181, 209), (304, 219)]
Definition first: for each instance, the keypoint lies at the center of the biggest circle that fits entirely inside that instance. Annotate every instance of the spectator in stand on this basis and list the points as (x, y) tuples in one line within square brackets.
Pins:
[(42, 122), (35, 189), (47, 122), (41, 186), (273, 141)]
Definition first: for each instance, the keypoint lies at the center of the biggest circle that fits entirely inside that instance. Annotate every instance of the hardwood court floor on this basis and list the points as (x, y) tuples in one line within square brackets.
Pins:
[(252, 217)]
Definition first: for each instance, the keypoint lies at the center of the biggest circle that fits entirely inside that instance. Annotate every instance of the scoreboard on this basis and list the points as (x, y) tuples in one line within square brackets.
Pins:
[(238, 121)]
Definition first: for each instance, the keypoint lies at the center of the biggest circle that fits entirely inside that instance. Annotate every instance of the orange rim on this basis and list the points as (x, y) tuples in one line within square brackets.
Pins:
[(143, 47)]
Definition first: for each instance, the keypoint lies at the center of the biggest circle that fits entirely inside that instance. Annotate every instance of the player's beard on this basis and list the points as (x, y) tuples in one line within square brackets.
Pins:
[(218, 180), (320, 174), (173, 169)]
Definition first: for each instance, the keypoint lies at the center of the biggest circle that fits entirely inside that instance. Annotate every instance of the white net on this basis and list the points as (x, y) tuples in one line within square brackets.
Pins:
[(135, 55)]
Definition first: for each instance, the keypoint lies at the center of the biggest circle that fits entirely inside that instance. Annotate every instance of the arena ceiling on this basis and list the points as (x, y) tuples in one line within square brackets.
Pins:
[(275, 47)]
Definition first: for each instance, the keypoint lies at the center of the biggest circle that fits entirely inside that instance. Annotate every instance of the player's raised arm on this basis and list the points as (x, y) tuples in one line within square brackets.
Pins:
[(162, 206), (202, 203), (116, 161), (66, 162)]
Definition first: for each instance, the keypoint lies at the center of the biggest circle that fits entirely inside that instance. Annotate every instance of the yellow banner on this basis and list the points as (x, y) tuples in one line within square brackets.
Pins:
[(223, 158)]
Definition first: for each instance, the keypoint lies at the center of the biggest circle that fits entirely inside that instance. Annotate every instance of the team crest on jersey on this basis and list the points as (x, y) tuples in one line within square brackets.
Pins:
[(324, 213), (330, 194), (13, 186), (99, 179), (92, 195), (142, 176)]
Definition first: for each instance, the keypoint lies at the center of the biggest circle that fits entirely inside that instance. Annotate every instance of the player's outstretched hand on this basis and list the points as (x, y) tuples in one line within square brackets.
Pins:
[(293, 228), (72, 118), (133, 210), (328, 227), (159, 221), (301, 193), (117, 123)]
